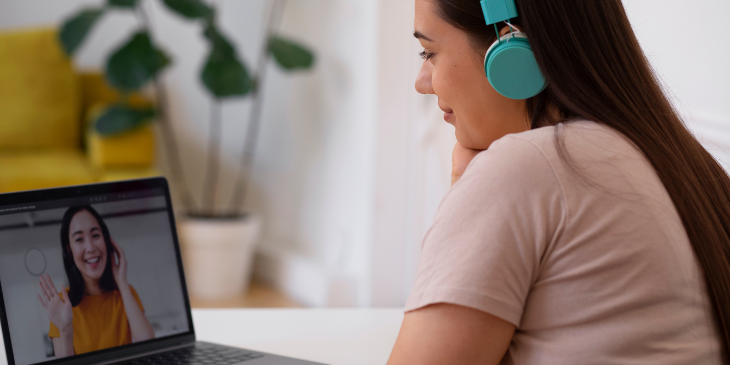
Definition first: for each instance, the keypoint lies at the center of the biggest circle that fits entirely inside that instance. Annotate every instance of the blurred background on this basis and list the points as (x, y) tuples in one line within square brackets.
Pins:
[(321, 162)]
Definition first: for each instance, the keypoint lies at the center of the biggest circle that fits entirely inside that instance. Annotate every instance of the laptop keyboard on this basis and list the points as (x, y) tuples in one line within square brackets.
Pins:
[(200, 354)]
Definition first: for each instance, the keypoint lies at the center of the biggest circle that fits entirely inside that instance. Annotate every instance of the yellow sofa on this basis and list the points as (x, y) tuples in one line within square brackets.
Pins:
[(45, 139)]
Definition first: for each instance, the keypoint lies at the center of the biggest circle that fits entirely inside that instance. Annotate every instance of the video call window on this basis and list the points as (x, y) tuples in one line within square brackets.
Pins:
[(111, 262)]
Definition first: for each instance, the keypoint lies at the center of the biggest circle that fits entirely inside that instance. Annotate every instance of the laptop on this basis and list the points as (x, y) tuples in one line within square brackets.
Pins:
[(66, 297)]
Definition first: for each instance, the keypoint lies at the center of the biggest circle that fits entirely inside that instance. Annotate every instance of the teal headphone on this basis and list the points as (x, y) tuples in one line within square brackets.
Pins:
[(510, 65)]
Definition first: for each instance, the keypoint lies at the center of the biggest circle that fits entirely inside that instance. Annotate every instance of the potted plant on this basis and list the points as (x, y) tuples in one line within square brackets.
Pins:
[(218, 244)]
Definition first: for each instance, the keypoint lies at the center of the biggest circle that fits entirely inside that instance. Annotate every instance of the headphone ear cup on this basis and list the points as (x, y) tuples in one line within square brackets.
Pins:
[(512, 69)]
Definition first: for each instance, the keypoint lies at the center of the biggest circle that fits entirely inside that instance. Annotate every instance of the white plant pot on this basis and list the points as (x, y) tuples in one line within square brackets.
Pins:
[(217, 254)]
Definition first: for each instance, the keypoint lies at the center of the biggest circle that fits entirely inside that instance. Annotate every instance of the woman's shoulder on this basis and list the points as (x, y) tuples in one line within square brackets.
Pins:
[(568, 134), (576, 142), (542, 166), (516, 170), (515, 156)]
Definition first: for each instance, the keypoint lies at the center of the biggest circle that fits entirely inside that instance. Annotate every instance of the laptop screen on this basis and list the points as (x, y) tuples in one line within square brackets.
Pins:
[(112, 262)]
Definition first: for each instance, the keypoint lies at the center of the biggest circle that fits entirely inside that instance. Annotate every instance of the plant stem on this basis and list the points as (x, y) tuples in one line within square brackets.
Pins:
[(249, 148), (171, 148), (214, 144), (168, 136)]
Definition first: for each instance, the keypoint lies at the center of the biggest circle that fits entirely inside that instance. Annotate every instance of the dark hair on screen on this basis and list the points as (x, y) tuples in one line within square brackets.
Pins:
[(597, 71), (75, 280)]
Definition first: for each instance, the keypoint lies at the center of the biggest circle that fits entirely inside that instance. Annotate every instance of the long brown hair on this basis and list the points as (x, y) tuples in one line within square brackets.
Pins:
[(597, 71)]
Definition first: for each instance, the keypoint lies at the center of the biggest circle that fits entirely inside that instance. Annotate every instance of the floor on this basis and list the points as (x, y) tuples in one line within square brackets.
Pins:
[(258, 296)]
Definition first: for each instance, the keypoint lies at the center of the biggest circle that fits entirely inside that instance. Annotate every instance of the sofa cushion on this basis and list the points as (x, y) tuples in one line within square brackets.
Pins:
[(39, 93), (26, 170), (135, 148), (131, 149)]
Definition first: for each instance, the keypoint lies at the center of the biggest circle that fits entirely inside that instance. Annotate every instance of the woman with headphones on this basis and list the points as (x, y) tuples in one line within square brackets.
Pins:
[(585, 224)]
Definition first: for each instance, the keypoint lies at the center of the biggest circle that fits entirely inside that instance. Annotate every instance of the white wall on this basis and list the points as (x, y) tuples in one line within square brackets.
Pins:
[(316, 161), (686, 42)]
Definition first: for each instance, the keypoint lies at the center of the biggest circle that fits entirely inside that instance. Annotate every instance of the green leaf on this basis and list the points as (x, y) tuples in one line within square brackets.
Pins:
[(289, 54), (123, 3), (223, 74), (218, 42), (74, 30), (135, 63), (191, 9), (118, 119)]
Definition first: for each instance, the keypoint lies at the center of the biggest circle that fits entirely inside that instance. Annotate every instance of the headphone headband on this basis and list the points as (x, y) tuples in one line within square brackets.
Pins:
[(496, 11)]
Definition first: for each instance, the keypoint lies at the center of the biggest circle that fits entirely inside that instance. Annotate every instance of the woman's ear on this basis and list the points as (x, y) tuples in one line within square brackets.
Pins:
[(506, 29)]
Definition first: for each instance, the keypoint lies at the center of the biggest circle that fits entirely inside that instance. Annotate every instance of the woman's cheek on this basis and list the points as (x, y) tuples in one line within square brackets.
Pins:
[(100, 244), (77, 252)]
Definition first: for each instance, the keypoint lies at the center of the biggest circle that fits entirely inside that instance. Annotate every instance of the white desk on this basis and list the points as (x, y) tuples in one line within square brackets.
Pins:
[(330, 336)]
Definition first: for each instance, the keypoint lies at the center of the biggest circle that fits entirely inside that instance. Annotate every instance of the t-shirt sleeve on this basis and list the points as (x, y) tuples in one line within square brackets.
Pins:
[(491, 231), (136, 297), (53, 332)]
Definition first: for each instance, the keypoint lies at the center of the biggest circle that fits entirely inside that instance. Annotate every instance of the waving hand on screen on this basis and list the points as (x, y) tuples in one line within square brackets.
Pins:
[(60, 314), (57, 305)]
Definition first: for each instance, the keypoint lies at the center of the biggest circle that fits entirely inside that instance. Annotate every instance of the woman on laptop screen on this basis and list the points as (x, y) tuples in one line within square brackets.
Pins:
[(99, 309)]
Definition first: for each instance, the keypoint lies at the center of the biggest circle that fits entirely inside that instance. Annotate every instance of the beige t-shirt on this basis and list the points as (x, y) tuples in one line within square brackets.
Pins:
[(592, 264)]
